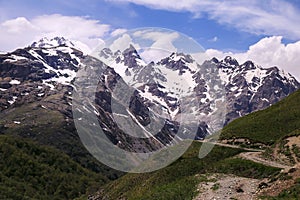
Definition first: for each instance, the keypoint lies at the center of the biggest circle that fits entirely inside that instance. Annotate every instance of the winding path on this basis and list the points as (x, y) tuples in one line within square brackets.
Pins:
[(251, 154), (256, 157)]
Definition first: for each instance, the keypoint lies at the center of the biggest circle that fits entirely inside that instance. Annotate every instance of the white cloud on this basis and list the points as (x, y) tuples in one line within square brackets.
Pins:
[(161, 47), (21, 32), (155, 55), (270, 17), (122, 43), (118, 31), (17, 25), (200, 57), (16, 33), (162, 40), (268, 52)]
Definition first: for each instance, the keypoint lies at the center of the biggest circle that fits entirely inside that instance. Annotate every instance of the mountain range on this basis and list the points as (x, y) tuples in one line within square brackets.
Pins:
[(45, 72)]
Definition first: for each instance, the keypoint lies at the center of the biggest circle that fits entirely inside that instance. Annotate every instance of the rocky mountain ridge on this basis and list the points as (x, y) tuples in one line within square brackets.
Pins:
[(177, 84), (247, 87)]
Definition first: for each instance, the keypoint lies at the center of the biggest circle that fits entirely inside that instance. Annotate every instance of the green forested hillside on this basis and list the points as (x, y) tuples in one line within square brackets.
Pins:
[(30, 171)]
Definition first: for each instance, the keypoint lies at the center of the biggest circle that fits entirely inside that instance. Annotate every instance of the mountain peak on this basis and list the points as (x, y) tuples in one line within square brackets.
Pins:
[(53, 42), (132, 47), (248, 65), (60, 41), (181, 57), (131, 51), (106, 53), (214, 60), (231, 61)]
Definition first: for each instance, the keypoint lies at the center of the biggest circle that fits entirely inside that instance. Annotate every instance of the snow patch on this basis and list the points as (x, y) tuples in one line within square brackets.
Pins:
[(14, 82), (48, 84), (224, 76), (43, 106), (14, 98), (264, 99)]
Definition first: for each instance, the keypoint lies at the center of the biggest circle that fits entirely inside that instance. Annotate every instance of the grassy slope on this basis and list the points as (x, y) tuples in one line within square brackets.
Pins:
[(267, 125), (30, 171), (179, 180)]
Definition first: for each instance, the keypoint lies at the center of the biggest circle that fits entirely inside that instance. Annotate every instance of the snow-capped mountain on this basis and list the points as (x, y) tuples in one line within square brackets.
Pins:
[(60, 41), (55, 64), (54, 42), (32, 73), (174, 88), (246, 87), (250, 87)]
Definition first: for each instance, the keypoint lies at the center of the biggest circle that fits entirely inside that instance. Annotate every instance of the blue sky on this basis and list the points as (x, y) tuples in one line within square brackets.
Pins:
[(208, 32), (231, 26)]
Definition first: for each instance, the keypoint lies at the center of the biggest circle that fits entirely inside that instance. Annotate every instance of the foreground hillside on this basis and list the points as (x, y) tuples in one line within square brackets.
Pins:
[(30, 171)]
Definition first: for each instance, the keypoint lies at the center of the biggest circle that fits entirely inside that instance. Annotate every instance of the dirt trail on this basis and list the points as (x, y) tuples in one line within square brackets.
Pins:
[(256, 157), (231, 146)]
